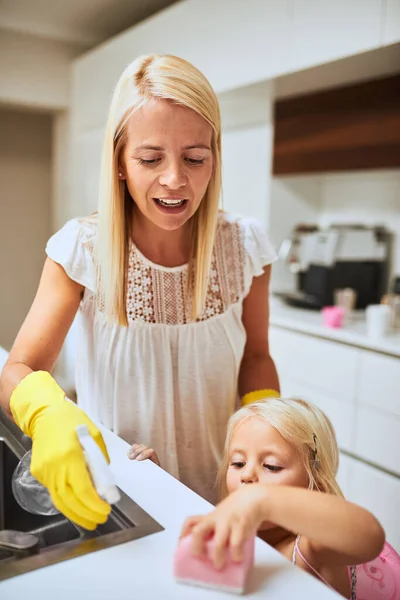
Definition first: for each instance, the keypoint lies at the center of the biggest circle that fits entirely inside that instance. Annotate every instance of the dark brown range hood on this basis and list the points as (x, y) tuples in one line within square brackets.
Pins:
[(340, 129)]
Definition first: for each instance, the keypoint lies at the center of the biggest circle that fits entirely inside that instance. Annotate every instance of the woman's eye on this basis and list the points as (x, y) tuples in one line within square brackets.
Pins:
[(195, 161), (273, 468), (237, 464), (148, 161)]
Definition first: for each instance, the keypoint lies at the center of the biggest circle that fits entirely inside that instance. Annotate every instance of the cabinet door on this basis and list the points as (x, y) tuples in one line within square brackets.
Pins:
[(341, 413), (379, 382), (391, 26), (379, 493), (377, 438), (326, 30), (327, 366)]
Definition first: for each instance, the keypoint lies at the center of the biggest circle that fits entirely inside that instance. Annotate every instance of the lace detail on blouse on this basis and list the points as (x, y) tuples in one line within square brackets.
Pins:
[(159, 295)]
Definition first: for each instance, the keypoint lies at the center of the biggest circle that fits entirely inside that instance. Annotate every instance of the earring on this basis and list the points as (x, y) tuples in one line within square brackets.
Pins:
[(119, 174)]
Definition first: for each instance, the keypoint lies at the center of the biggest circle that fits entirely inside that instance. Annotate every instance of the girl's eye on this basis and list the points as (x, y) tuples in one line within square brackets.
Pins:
[(237, 465), (195, 161), (273, 468)]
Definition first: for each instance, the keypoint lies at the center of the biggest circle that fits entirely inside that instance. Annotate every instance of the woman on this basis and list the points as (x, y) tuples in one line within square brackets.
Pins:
[(172, 296)]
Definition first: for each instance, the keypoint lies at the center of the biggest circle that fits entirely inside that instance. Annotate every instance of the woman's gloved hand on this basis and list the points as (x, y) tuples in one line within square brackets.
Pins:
[(40, 409)]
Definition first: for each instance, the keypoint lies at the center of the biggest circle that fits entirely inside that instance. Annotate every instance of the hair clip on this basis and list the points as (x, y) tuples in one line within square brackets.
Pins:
[(316, 462)]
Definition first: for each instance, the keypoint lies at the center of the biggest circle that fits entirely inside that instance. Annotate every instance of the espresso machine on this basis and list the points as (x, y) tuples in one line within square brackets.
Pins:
[(336, 258)]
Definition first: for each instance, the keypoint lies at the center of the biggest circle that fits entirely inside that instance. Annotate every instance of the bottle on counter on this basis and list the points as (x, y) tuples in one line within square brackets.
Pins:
[(346, 299), (393, 301)]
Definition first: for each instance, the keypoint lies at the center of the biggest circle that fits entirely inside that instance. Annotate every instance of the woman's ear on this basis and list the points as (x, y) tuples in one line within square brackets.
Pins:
[(121, 173)]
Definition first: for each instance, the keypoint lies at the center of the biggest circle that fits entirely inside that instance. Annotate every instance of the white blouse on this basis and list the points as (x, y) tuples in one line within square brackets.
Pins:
[(166, 381)]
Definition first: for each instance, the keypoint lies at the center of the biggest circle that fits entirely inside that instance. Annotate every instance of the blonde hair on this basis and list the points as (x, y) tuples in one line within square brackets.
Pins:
[(298, 422), (146, 78)]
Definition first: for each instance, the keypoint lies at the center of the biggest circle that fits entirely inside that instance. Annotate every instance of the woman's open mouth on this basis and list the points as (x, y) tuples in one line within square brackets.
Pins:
[(171, 205)]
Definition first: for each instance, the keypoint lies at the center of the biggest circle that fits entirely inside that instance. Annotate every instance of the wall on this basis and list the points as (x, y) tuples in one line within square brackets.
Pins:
[(246, 186), (25, 213), (370, 197), (34, 72), (294, 199)]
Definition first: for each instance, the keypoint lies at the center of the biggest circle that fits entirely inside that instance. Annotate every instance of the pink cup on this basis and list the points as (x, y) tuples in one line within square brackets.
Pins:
[(332, 316)]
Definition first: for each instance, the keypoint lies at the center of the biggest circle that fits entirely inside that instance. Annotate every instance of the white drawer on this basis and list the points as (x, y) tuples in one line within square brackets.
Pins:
[(342, 414), (326, 365), (378, 438), (379, 493), (379, 382)]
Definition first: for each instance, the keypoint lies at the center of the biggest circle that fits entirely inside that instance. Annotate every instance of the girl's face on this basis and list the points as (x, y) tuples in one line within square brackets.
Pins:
[(259, 454), (167, 162)]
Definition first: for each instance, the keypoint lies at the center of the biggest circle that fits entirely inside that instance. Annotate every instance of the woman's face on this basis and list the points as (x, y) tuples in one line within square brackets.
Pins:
[(259, 454), (167, 162)]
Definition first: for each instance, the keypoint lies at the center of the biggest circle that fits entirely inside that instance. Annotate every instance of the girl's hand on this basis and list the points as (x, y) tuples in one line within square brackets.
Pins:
[(231, 524), (142, 452)]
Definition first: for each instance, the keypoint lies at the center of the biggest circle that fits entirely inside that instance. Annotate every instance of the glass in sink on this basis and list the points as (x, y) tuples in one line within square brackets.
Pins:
[(50, 530)]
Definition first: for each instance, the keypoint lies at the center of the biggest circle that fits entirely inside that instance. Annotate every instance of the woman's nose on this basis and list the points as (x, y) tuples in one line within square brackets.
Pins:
[(173, 177)]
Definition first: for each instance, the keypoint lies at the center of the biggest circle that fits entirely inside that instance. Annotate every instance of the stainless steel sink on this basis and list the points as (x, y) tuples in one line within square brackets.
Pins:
[(59, 539)]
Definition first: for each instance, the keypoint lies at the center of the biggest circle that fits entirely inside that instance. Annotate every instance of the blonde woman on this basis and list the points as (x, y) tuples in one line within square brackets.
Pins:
[(286, 449), (172, 296)]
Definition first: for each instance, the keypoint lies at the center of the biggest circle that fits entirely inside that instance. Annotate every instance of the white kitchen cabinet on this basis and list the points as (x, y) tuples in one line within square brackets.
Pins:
[(324, 31), (329, 367), (379, 493), (379, 382), (377, 438), (341, 413), (391, 22)]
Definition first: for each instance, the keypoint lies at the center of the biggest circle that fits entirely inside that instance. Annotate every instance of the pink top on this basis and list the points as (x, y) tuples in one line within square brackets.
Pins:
[(378, 579)]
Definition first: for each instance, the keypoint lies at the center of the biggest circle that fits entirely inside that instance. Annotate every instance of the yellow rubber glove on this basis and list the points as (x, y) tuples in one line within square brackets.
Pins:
[(40, 409)]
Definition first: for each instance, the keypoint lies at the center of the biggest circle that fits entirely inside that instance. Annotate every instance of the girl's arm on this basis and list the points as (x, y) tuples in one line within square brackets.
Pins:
[(336, 531), (333, 530)]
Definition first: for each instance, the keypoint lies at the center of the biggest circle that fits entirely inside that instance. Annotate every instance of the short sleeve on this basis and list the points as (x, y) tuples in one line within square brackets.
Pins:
[(70, 248), (258, 249)]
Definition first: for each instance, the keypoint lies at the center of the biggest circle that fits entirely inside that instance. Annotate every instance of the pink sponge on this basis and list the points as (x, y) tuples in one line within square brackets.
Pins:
[(201, 572)]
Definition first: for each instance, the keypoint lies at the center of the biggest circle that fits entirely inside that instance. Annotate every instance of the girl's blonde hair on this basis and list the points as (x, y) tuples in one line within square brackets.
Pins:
[(301, 424), (146, 78)]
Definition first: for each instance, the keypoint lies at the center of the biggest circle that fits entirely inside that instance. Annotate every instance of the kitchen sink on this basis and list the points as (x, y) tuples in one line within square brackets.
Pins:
[(58, 538)]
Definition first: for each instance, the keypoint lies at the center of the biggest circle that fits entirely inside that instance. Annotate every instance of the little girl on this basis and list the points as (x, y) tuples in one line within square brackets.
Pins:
[(280, 454)]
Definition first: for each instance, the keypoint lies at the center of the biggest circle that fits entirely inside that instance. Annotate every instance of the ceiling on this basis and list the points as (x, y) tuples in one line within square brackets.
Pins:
[(83, 22)]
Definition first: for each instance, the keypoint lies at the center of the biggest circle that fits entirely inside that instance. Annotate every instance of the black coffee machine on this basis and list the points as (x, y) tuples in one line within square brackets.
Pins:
[(343, 256)]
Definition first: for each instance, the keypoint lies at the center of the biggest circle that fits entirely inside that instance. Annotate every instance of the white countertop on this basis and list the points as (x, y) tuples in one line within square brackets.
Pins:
[(310, 322), (142, 569)]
